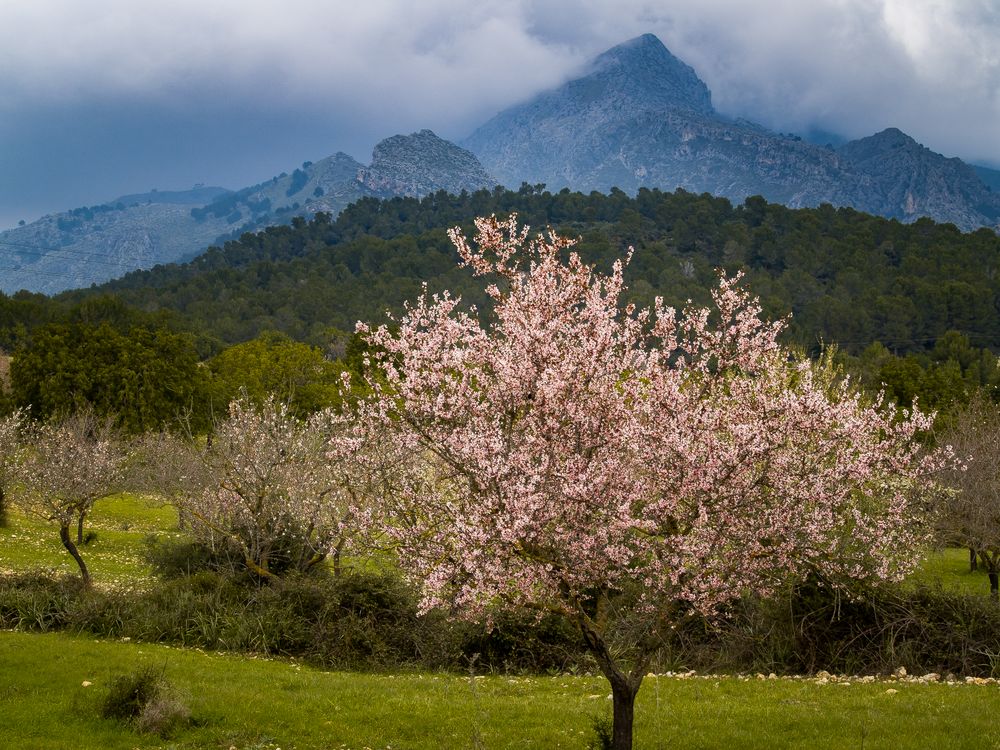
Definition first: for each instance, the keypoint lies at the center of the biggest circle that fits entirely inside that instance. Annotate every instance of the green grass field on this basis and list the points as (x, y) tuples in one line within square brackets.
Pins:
[(950, 568), (114, 557), (249, 703), (243, 702)]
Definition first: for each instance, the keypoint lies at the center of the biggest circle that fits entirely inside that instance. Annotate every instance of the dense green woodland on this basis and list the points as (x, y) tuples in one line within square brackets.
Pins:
[(914, 306)]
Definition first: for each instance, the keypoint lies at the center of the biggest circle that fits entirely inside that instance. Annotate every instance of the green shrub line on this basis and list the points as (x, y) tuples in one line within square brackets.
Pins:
[(367, 621)]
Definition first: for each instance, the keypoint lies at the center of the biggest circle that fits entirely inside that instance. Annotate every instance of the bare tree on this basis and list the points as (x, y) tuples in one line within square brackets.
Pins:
[(69, 465), (971, 514), (170, 466)]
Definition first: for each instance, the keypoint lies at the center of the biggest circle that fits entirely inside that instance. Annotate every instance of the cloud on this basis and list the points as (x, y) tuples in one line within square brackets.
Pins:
[(303, 78), (442, 59)]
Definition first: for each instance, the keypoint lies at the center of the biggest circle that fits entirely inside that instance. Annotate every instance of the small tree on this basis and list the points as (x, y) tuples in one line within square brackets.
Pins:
[(11, 428), (168, 465), (273, 366), (270, 490), (69, 465), (971, 513), (625, 468)]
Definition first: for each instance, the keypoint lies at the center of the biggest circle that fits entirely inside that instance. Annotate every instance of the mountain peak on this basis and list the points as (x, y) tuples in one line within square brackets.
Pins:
[(422, 163), (893, 137), (879, 145), (643, 46), (644, 66)]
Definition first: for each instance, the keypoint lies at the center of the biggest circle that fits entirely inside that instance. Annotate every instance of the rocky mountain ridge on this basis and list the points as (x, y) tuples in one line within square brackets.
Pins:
[(641, 117), (420, 164)]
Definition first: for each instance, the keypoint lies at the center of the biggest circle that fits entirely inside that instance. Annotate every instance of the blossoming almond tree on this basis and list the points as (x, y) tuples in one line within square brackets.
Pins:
[(11, 428), (68, 466), (624, 467), (270, 488)]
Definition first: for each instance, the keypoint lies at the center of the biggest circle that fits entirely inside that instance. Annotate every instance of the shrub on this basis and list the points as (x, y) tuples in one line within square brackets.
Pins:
[(37, 601), (523, 642), (175, 558), (164, 715), (370, 621), (128, 694), (145, 699)]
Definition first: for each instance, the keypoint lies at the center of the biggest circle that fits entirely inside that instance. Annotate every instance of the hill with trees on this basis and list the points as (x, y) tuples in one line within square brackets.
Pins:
[(913, 308), (846, 277)]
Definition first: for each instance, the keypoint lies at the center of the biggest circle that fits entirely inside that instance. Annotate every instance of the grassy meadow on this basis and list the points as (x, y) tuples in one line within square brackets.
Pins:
[(119, 524), (238, 701), (254, 703)]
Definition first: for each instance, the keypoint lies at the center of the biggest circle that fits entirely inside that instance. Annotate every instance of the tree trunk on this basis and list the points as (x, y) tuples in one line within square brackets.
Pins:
[(994, 584), (624, 687), (973, 561), (79, 526), (71, 548), (623, 698)]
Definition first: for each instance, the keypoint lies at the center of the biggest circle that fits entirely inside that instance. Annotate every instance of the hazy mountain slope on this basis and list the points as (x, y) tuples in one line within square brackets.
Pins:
[(80, 247), (903, 180), (326, 185), (86, 246), (641, 117), (991, 177)]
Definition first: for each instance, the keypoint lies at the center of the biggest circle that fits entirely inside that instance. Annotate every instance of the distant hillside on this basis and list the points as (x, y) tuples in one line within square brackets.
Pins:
[(93, 244), (847, 277), (640, 117)]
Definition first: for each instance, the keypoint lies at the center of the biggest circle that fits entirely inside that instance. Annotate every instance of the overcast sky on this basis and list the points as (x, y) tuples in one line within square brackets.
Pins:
[(107, 97)]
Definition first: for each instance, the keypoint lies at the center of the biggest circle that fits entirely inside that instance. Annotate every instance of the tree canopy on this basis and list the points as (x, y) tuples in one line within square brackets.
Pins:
[(144, 378), (624, 466)]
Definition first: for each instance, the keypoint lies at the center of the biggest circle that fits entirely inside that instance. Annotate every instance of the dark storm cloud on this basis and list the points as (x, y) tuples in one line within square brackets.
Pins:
[(113, 96)]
